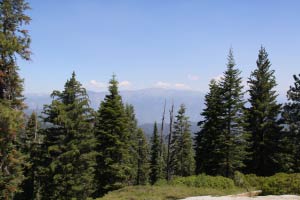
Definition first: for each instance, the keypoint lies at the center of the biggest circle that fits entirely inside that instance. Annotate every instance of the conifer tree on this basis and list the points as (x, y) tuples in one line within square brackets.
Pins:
[(233, 134), (14, 43), (70, 144), (11, 159), (155, 165), (262, 118), (138, 149), (182, 152), (133, 140), (221, 143), (36, 156), (143, 159), (290, 141), (29, 146), (208, 139), (113, 145)]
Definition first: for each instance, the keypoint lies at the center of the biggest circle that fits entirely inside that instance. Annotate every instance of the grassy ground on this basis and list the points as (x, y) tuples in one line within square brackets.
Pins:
[(166, 192)]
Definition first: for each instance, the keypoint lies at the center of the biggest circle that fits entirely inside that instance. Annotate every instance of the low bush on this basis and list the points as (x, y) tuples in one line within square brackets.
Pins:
[(164, 192), (281, 183), (161, 182), (255, 181), (181, 187), (277, 184), (241, 181), (204, 181)]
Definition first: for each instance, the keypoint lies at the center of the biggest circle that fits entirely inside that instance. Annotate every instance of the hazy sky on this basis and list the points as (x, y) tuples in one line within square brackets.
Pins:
[(157, 43)]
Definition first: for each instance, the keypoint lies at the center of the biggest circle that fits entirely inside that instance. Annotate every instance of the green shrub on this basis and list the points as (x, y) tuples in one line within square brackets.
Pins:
[(241, 181), (161, 182), (255, 181), (204, 181), (281, 183), (278, 184)]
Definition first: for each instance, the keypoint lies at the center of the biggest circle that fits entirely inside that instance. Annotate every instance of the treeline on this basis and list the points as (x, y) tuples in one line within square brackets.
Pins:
[(257, 135), (81, 153), (74, 152), (84, 153)]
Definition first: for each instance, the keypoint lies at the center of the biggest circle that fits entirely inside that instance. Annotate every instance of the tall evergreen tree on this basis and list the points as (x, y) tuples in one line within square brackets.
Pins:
[(138, 149), (36, 157), (290, 141), (262, 118), (221, 143), (11, 159), (70, 144), (182, 152), (14, 43), (208, 139), (133, 140), (29, 146), (143, 159), (234, 144), (155, 164), (111, 130)]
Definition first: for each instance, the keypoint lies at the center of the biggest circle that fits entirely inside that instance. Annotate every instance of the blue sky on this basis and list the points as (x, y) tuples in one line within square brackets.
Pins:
[(172, 44)]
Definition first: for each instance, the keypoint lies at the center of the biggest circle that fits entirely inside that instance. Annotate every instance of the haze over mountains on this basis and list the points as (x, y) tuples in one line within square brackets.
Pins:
[(148, 103)]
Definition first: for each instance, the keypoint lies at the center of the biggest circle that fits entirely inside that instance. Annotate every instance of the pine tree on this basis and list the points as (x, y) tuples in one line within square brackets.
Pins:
[(207, 141), (30, 135), (221, 143), (70, 144), (155, 164), (36, 156), (50, 149), (29, 146), (143, 159), (262, 118), (14, 43), (133, 140), (182, 153), (188, 155), (14, 40), (11, 159), (138, 149), (290, 140), (111, 130), (234, 145)]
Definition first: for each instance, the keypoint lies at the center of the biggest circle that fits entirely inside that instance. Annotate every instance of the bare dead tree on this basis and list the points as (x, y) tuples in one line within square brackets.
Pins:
[(162, 130), (169, 141)]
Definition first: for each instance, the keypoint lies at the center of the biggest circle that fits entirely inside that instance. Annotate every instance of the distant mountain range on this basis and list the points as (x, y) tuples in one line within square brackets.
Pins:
[(148, 103)]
